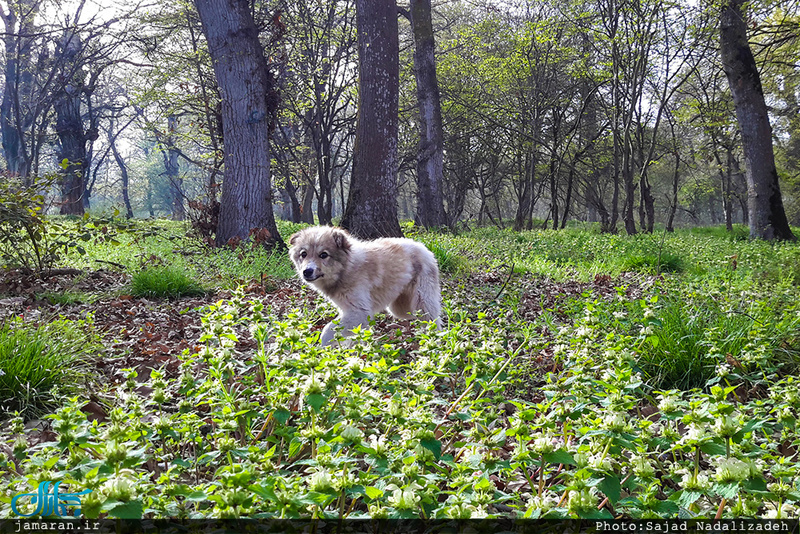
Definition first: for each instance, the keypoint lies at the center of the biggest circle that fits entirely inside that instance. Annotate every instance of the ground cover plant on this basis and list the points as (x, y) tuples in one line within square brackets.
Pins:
[(35, 361), (570, 381), (164, 282)]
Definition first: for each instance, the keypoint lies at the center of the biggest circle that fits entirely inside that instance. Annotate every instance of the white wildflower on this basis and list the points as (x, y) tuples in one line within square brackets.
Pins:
[(701, 483), (642, 466), (732, 470)]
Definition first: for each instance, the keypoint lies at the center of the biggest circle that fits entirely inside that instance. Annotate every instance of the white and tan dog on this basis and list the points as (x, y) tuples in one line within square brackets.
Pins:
[(364, 277)]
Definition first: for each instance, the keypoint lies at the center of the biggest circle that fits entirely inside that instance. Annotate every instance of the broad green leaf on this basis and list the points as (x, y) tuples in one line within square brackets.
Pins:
[(559, 456), (714, 448), (281, 415), (315, 400), (266, 493), (433, 445), (611, 487), (373, 492), (727, 490), (294, 447), (686, 498), (126, 510)]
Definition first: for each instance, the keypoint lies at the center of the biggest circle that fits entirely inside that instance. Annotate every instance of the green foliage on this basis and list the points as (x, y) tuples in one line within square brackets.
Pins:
[(687, 339), (739, 232), (660, 396), (66, 298), (138, 244), (31, 242), (38, 364), (653, 262), (449, 259), (164, 282), (22, 229)]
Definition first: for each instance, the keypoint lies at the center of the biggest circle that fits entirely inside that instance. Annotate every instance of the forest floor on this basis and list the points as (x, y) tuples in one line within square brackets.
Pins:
[(578, 375)]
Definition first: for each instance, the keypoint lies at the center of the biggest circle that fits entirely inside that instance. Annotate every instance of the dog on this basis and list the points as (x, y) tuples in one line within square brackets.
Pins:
[(362, 278)]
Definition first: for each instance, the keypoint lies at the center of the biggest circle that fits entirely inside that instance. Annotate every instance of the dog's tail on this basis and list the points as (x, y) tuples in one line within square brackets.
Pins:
[(430, 294)]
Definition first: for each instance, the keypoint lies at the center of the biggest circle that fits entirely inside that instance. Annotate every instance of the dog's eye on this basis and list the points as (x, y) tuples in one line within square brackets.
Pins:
[(323, 255), (303, 254)]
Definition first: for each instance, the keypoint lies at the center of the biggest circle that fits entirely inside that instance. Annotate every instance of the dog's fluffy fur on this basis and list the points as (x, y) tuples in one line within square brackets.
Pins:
[(364, 277)]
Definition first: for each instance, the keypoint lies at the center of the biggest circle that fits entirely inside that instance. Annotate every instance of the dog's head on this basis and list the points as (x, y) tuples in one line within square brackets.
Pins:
[(319, 254)]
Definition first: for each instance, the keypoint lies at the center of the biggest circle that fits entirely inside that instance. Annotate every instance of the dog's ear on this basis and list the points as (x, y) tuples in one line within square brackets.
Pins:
[(293, 238), (342, 239)]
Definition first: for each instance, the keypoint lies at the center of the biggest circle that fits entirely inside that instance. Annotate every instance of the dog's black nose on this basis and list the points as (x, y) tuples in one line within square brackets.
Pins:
[(308, 273)]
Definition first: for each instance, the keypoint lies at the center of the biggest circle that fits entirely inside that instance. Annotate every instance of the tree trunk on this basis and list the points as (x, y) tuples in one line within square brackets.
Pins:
[(676, 175), (673, 204), (291, 192), (69, 128), (123, 169), (17, 40), (372, 201), (306, 210), (525, 191), (568, 197), (172, 171), (648, 205), (765, 205), (248, 104), (430, 154)]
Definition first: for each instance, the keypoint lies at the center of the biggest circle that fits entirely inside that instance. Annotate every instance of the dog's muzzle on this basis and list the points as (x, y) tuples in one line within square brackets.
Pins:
[(309, 275)]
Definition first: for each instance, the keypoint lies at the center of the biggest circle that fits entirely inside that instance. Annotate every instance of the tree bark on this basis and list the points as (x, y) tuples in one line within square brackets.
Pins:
[(172, 171), (371, 210), (248, 106), (765, 205), (14, 122), (430, 154), (70, 131), (123, 169)]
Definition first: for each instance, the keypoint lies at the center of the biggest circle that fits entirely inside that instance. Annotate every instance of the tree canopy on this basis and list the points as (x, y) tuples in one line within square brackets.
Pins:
[(616, 112)]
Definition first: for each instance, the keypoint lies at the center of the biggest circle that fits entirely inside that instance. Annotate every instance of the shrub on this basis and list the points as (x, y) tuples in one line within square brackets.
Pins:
[(22, 230), (30, 242), (164, 282), (37, 363)]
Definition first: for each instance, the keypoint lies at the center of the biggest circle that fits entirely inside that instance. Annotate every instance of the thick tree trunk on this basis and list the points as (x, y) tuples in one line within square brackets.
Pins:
[(765, 205), (70, 131), (372, 201), (14, 122), (648, 205), (430, 154), (525, 191), (248, 105), (630, 188)]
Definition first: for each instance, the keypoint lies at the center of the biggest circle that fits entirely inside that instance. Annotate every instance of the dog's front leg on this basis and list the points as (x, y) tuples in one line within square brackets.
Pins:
[(327, 334), (347, 323)]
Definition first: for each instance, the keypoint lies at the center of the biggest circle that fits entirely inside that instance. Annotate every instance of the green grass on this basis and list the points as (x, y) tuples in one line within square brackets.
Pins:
[(689, 340), (164, 282), (448, 258), (665, 262), (64, 298), (37, 364), (135, 244)]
